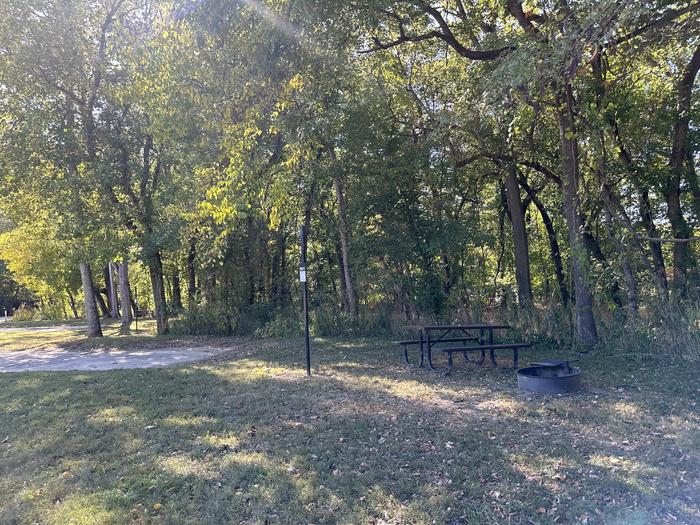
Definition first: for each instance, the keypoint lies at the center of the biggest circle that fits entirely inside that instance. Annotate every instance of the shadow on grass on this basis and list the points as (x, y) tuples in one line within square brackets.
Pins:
[(251, 440)]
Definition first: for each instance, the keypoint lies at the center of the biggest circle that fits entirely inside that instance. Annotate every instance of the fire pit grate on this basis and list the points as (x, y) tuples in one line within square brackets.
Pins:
[(552, 376)]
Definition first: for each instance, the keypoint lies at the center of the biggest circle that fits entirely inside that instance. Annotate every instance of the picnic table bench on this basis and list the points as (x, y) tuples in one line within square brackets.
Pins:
[(432, 335)]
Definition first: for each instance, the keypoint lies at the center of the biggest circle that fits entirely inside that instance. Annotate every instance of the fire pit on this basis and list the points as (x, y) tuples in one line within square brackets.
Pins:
[(550, 377)]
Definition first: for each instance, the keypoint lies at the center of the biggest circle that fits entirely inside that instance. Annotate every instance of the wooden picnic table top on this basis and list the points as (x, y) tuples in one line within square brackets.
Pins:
[(459, 327)]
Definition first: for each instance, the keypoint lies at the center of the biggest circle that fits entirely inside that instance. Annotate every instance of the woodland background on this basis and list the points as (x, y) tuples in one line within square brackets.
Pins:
[(533, 162)]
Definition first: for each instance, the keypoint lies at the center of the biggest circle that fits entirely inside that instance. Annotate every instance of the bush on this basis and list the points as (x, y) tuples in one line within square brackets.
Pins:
[(253, 317), (202, 320), (671, 329), (331, 322), (25, 313), (283, 325)]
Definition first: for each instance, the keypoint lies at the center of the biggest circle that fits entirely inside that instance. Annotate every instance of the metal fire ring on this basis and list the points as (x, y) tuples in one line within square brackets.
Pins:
[(550, 377)]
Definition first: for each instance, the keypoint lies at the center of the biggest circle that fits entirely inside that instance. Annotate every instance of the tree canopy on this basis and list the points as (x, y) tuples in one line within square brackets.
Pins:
[(449, 158)]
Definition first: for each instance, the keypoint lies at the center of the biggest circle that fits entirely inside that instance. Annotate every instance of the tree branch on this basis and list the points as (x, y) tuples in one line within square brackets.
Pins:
[(445, 35), (668, 16)]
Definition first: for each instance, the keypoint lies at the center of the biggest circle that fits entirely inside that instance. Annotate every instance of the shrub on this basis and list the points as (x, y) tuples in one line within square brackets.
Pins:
[(202, 320), (283, 325), (25, 313)]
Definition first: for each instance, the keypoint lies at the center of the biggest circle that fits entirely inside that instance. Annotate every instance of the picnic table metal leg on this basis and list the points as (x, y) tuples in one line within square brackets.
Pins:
[(420, 365), (515, 358), (405, 355), (492, 352), (481, 342), (430, 354)]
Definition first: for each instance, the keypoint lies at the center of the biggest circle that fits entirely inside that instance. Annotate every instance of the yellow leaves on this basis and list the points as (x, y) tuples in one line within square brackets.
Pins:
[(296, 82)]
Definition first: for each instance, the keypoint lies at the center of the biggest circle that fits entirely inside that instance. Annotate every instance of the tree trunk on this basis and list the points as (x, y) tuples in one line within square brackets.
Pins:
[(343, 233), (278, 269), (102, 304), (177, 292), (683, 259), (351, 296), (693, 182), (71, 302), (621, 249), (341, 277), (155, 270), (657, 255), (645, 214), (113, 302), (553, 242), (586, 332), (517, 220), (191, 275), (91, 315), (125, 292)]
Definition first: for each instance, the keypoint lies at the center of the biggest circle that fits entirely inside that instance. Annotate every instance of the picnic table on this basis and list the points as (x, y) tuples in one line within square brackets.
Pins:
[(429, 336)]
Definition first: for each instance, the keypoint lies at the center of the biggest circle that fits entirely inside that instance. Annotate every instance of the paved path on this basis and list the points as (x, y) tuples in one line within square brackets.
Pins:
[(57, 359)]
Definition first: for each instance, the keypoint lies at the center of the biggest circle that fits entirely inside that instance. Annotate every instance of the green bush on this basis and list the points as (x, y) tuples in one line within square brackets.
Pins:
[(671, 329), (332, 322), (283, 325), (202, 320), (253, 317), (25, 313)]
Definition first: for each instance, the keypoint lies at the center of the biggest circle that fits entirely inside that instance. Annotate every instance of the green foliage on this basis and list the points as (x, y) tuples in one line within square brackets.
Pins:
[(25, 313), (201, 320), (203, 135)]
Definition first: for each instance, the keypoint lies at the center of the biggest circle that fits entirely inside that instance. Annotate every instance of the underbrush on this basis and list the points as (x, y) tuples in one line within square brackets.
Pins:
[(669, 330)]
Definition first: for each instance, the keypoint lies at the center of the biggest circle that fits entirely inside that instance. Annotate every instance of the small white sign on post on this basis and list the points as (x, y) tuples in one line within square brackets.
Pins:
[(302, 274)]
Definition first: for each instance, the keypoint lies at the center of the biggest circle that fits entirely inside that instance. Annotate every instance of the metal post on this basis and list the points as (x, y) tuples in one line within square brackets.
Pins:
[(305, 300)]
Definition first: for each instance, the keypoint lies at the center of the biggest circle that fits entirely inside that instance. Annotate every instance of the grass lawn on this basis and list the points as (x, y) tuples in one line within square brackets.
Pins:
[(71, 335), (247, 438)]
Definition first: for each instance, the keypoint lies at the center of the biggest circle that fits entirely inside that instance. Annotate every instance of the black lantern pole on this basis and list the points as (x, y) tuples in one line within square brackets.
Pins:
[(305, 300)]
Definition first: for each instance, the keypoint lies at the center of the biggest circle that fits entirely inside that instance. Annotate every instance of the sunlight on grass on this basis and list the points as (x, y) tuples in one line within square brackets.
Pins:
[(193, 421), (114, 415), (634, 473), (627, 410), (38, 337), (361, 441), (90, 509)]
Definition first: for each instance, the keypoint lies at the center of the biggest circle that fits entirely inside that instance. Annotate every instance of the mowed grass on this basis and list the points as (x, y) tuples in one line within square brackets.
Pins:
[(35, 336), (247, 438)]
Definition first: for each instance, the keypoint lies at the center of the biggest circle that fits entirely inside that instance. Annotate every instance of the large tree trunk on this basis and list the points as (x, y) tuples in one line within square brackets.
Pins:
[(683, 259), (91, 315), (585, 322), (517, 220), (155, 270), (125, 292)]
